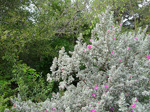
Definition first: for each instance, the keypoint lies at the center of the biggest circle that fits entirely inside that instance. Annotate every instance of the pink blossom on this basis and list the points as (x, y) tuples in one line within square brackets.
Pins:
[(120, 59), (136, 38), (112, 108), (91, 40), (89, 47), (53, 109), (83, 50), (61, 69), (112, 52), (92, 110), (94, 94), (96, 87), (133, 105), (98, 102), (112, 26), (108, 31), (128, 48), (127, 94), (106, 86), (46, 111), (131, 110), (120, 24), (136, 99), (114, 37), (148, 57)]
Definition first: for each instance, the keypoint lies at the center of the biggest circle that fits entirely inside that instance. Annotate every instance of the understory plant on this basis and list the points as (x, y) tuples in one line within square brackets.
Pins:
[(112, 73)]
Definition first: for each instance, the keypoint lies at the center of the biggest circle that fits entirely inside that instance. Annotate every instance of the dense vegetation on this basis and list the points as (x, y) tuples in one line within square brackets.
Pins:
[(33, 31)]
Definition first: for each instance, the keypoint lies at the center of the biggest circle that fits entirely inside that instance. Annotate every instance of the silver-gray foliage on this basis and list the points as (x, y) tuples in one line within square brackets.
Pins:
[(113, 72)]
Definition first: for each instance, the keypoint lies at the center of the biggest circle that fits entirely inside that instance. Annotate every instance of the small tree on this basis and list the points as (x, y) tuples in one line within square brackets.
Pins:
[(112, 70)]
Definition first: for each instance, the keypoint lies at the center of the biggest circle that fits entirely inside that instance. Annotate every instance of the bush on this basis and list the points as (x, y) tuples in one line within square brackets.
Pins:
[(112, 71), (28, 83), (31, 85)]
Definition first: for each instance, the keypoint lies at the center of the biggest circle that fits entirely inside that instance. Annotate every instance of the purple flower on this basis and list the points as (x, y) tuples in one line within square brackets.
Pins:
[(89, 47), (148, 57), (91, 40), (112, 108), (96, 87), (134, 105), (94, 94), (92, 110), (53, 109), (105, 86)]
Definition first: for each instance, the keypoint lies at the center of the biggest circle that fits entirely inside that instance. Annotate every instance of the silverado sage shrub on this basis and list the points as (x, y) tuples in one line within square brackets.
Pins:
[(113, 73)]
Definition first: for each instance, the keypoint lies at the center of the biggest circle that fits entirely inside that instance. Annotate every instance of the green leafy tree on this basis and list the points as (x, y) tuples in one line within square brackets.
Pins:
[(35, 36), (122, 8)]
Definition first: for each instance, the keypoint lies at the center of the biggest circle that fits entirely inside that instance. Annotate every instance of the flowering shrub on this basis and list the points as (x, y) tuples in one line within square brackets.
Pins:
[(113, 73)]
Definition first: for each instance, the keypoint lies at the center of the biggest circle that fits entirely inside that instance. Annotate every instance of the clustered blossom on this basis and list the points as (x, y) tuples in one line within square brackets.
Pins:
[(91, 40), (136, 38), (148, 57), (106, 86), (89, 47), (96, 87), (94, 94), (92, 110), (133, 105), (117, 82)]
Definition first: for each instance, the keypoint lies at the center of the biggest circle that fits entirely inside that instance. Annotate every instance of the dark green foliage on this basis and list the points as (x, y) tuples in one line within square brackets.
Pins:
[(39, 53), (6, 92)]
